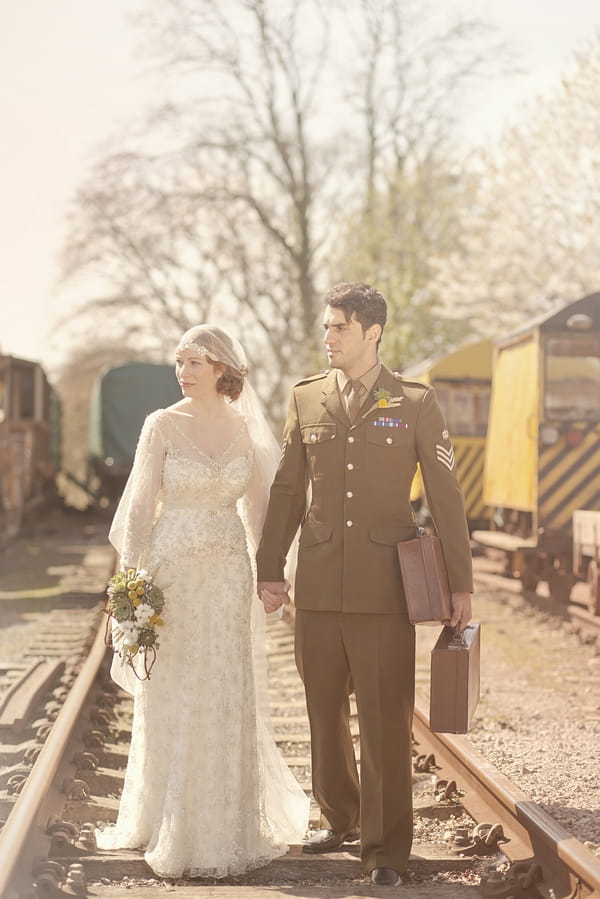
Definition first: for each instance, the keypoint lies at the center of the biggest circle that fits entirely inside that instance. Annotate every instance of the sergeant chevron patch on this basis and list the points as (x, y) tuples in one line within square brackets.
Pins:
[(445, 456)]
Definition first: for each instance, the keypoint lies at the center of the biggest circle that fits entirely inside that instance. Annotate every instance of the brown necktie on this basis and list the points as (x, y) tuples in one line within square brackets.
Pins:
[(354, 391)]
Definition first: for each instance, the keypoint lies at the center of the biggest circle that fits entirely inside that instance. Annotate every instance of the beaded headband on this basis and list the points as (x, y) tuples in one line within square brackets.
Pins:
[(188, 343)]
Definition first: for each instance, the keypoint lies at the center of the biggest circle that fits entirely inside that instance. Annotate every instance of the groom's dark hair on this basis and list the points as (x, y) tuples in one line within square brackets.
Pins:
[(367, 303)]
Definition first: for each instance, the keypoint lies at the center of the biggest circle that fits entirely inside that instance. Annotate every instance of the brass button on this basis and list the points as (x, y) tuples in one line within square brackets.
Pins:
[(313, 438), (349, 524), (388, 440), (349, 466), (349, 494), (350, 439)]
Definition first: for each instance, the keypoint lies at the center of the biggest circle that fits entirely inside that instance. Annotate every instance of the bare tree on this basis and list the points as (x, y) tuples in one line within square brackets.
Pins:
[(408, 94), (220, 219), (235, 203), (530, 239)]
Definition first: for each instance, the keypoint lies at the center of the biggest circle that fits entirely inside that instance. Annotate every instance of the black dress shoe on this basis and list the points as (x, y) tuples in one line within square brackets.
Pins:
[(328, 840), (385, 877)]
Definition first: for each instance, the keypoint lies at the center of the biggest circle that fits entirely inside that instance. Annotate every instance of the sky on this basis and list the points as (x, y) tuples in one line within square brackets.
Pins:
[(70, 77)]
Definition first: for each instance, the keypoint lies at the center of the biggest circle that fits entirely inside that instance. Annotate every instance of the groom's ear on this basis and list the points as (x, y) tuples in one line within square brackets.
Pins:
[(374, 333)]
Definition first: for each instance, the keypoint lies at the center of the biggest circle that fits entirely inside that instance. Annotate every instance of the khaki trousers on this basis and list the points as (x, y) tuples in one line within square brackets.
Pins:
[(372, 655)]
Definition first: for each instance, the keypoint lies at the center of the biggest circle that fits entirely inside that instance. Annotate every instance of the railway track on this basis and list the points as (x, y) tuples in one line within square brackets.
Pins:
[(488, 573), (64, 735), (47, 846)]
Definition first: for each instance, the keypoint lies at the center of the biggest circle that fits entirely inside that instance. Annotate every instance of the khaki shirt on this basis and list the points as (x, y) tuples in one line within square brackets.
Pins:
[(368, 380)]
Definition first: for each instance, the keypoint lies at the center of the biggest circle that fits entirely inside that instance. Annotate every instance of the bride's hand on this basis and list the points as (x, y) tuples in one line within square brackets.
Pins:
[(273, 594)]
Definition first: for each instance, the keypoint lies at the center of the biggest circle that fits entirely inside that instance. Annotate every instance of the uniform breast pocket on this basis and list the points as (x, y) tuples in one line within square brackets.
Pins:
[(389, 452), (320, 441)]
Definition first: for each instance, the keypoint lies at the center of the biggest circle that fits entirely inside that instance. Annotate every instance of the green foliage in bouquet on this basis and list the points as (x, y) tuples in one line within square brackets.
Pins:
[(135, 603)]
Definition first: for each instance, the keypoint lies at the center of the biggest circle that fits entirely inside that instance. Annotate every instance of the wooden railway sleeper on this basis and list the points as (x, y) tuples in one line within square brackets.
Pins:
[(483, 840), (517, 882)]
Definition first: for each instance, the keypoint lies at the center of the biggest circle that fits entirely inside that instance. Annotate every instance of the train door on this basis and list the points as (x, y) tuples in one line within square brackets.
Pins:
[(569, 436), (466, 408)]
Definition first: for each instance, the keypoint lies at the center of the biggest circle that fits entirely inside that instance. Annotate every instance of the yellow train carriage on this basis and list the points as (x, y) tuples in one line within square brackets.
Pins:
[(462, 380), (542, 458)]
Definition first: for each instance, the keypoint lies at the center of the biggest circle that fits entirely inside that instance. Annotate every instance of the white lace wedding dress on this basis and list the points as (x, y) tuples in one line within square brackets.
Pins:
[(206, 791)]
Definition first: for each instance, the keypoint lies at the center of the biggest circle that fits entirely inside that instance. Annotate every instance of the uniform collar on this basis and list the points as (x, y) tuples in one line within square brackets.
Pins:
[(368, 380), (332, 397)]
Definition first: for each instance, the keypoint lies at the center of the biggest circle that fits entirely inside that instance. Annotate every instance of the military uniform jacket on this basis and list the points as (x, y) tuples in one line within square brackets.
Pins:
[(358, 506)]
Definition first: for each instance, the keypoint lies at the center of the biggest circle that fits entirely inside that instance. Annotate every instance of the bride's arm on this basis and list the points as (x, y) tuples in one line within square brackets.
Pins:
[(254, 501), (132, 524)]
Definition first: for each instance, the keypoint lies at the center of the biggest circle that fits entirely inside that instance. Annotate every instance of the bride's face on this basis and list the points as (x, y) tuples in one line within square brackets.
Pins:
[(196, 375)]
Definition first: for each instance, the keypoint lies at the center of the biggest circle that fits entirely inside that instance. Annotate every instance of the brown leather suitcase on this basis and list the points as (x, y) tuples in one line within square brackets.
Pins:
[(425, 579), (454, 692)]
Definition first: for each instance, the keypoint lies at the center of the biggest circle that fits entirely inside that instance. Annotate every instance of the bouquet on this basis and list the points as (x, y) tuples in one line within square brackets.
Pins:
[(135, 604)]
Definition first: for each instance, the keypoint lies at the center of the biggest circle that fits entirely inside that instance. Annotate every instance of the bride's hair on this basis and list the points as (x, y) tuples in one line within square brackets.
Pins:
[(231, 382), (220, 349)]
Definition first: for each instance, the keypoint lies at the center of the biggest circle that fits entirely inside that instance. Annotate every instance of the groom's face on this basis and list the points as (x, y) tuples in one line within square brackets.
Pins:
[(348, 347)]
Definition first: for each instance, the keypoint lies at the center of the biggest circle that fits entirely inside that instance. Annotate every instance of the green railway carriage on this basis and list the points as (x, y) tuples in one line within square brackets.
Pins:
[(462, 381), (122, 397), (542, 458)]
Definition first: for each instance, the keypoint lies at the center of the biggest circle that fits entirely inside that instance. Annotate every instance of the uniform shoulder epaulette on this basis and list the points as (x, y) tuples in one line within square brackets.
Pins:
[(410, 382), (318, 377)]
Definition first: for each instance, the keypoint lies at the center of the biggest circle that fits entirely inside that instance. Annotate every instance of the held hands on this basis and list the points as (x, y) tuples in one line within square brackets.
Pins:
[(273, 594), (461, 611)]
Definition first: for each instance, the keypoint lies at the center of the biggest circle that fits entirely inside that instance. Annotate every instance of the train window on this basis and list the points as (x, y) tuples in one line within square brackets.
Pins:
[(24, 390), (465, 408), (572, 378)]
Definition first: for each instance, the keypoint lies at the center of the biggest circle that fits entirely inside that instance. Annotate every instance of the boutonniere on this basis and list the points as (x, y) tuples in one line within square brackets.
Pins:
[(383, 400), (382, 397)]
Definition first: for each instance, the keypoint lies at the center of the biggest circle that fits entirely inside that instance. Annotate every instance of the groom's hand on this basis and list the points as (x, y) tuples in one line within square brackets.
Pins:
[(273, 594)]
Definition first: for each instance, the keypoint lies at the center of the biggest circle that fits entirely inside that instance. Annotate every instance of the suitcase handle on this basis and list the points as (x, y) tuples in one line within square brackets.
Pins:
[(459, 640)]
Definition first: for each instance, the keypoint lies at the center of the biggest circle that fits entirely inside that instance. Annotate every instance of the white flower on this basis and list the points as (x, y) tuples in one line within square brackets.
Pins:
[(145, 575), (131, 638), (143, 613)]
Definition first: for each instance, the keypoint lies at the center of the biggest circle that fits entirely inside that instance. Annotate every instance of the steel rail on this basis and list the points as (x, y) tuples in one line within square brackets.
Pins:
[(23, 815), (569, 868), (574, 612)]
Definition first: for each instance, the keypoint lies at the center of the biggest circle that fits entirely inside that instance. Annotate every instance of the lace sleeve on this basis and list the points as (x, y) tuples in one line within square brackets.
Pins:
[(134, 518), (254, 502)]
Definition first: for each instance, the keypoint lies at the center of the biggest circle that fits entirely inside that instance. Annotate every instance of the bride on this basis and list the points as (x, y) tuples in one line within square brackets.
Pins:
[(206, 791)]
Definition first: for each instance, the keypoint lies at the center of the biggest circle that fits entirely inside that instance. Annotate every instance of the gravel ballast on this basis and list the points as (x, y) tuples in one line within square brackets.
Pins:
[(538, 720)]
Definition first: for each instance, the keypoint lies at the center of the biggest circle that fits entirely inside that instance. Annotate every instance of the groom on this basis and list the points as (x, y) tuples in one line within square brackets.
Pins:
[(355, 433)]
